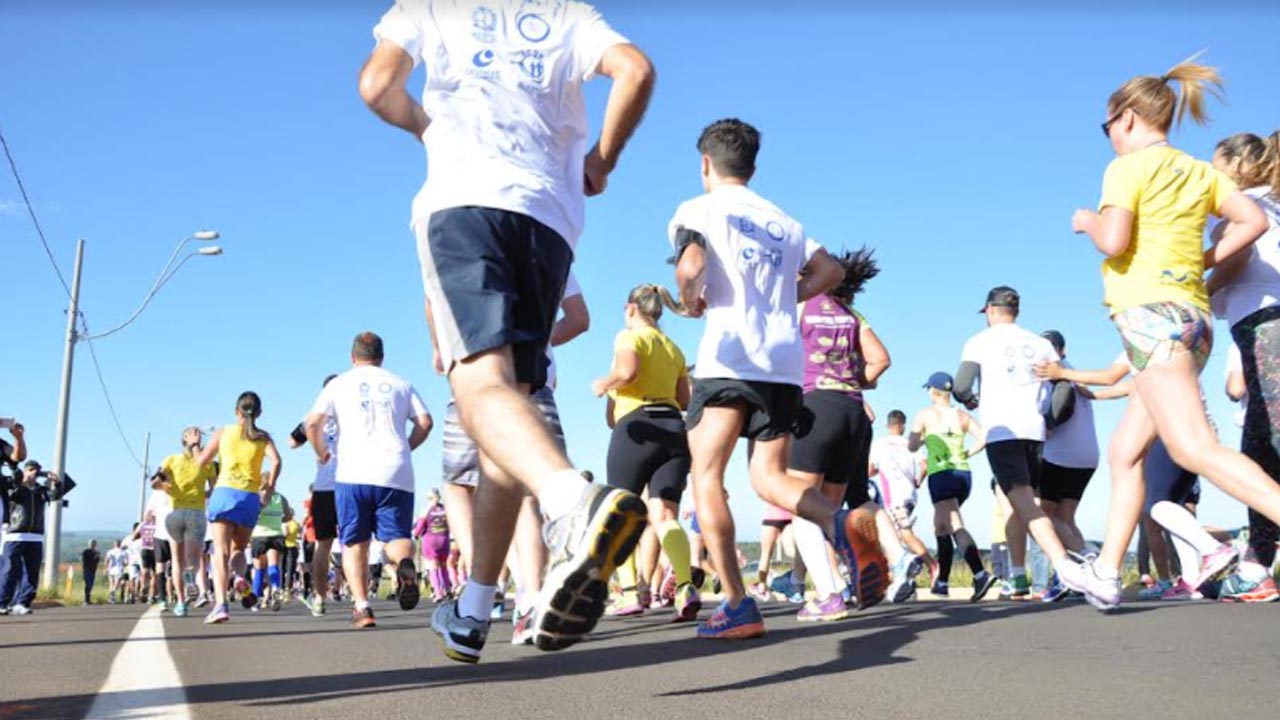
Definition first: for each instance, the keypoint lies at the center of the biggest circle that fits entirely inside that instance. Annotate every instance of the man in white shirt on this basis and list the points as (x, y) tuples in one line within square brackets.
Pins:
[(1012, 404), (746, 265), (322, 509), (374, 491), (503, 119), (897, 473)]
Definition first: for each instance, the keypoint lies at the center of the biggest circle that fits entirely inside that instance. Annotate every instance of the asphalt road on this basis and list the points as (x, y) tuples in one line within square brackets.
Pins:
[(945, 660)]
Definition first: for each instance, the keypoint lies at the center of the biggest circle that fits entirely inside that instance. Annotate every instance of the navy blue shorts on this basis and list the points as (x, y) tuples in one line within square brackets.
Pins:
[(368, 510), (950, 485), (1166, 481)]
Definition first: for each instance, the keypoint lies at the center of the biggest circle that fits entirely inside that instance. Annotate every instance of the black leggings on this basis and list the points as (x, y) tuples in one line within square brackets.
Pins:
[(649, 448), (1258, 338), (290, 566)]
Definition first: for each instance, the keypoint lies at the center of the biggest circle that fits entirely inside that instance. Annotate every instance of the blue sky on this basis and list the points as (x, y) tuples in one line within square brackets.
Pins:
[(956, 142)]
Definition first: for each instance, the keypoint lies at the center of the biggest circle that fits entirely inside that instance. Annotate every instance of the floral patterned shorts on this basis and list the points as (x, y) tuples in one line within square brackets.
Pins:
[(1159, 332)]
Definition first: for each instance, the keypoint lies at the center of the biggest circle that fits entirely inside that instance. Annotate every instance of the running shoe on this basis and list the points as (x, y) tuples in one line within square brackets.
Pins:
[(585, 547), (1156, 590), (1102, 592), (698, 576), (1019, 588), (180, 609), (1217, 564), (786, 586), (833, 608), (1240, 588), (247, 598), (274, 603), (847, 596), (858, 545), (199, 603), (4, 611), (220, 614), (315, 604), (1181, 591), (982, 584), (1056, 590), (727, 623), (667, 593), (499, 606), (522, 627), (1147, 580), (625, 607), (408, 592), (461, 638), (758, 591), (363, 618), (940, 590), (19, 610), (164, 605), (688, 603), (644, 596), (905, 572)]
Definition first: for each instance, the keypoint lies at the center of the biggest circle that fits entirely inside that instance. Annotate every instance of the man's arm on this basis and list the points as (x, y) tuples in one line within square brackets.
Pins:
[(315, 433), (967, 377), (422, 425), (691, 277), (820, 274), (576, 320), (382, 87), (633, 79), (1236, 388), (20, 442)]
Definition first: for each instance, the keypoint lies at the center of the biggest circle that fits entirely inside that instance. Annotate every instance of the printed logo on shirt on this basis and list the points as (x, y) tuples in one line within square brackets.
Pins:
[(483, 22), (533, 28), (483, 59), (532, 63)]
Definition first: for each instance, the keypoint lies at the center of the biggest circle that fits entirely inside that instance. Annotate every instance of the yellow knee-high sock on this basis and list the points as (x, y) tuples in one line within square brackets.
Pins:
[(627, 577), (676, 544)]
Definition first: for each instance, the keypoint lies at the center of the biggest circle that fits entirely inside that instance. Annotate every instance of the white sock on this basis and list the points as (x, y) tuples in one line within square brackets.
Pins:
[(1182, 524), (812, 546), (1188, 558), (362, 604), (561, 493), (477, 600)]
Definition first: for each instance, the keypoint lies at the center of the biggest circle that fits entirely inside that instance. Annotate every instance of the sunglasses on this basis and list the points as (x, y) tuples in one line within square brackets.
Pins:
[(1106, 126)]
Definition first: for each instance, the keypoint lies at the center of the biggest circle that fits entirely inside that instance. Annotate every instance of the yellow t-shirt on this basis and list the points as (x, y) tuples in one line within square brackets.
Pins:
[(188, 480), (998, 519), (241, 460), (291, 530), (1171, 196), (661, 365)]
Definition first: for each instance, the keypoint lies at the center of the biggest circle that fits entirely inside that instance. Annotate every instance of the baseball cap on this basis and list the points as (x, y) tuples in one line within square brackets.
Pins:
[(1002, 296), (1055, 339), (940, 381), (32, 464)]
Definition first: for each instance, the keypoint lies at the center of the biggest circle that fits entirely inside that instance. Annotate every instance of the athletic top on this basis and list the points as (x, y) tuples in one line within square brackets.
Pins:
[(896, 470), (945, 450), (291, 531), (754, 256), (1171, 196), (1074, 444), (271, 518), (326, 472), (241, 460), (571, 289), (147, 537), (660, 367), (1257, 286), (773, 513), (116, 560), (188, 480), (832, 336), (504, 94), (433, 522), (160, 506), (372, 407), (1012, 400)]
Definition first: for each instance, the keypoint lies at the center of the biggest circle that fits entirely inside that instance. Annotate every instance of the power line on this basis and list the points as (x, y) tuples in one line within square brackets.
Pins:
[(107, 395), (13, 167)]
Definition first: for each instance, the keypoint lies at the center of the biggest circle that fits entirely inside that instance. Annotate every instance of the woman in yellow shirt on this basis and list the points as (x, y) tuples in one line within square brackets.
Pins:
[(238, 496), (648, 386), (188, 483), (1155, 204)]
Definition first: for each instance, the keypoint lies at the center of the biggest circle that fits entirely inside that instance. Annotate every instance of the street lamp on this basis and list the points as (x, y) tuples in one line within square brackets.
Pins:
[(53, 544)]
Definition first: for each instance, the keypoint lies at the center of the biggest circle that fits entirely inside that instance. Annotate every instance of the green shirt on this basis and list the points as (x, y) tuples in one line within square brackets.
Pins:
[(271, 519), (946, 452)]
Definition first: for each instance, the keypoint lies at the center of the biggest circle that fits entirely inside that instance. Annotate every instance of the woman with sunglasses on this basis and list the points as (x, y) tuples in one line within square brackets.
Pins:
[(1156, 202)]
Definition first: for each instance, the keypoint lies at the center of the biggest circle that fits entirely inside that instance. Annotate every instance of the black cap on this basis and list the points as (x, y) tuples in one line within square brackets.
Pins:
[(1003, 296), (32, 464), (1055, 339)]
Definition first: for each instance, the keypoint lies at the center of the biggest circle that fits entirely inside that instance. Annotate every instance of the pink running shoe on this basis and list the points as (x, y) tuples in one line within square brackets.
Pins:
[(625, 609), (1217, 564), (759, 591), (1180, 591)]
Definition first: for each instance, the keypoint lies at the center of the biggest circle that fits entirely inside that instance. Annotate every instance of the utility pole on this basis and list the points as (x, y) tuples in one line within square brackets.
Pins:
[(142, 489), (53, 523)]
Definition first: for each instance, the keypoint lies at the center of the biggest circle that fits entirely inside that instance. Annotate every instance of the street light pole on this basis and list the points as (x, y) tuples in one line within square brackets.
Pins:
[(53, 529), (142, 489)]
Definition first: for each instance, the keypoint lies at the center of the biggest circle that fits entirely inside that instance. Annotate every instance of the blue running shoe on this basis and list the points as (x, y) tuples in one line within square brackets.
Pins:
[(788, 588), (1056, 590), (729, 624)]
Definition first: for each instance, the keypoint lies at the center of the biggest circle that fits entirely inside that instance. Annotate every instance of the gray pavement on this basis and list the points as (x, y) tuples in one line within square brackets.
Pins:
[(950, 660)]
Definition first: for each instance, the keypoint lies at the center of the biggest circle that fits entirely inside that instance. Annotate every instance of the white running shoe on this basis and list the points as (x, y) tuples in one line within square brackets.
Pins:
[(20, 610)]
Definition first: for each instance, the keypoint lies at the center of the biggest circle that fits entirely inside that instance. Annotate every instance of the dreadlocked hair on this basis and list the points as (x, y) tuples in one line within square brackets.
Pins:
[(859, 266)]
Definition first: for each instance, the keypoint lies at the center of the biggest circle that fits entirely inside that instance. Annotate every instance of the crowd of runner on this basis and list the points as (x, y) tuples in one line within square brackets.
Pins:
[(786, 362)]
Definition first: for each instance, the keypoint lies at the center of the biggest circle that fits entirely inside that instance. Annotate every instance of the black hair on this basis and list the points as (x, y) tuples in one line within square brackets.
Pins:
[(732, 146), (859, 266), (897, 417), (250, 406), (368, 347)]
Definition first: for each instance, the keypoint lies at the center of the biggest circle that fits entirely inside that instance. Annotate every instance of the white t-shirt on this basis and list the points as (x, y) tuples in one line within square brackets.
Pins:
[(1013, 400), (1074, 444), (504, 93), (371, 407), (326, 473), (1258, 284), (897, 468), (161, 505), (754, 256), (116, 560), (571, 289)]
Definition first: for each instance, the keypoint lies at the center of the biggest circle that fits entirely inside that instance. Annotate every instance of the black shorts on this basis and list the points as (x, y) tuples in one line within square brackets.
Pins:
[(308, 552), (1166, 481), (148, 559), (494, 278), (832, 438), (950, 485), (649, 448), (1016, 463), (324, 514), (771, 407), (163, 552), (779, 524), (1059, 483), (261, 545)]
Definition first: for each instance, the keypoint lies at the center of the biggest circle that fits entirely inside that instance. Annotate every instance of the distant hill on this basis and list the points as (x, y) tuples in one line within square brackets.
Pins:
[(74, 543)]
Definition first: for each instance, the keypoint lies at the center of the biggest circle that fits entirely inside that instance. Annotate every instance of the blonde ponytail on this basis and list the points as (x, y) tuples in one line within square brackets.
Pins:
[(1159, 105), (651, 299), (1273, 153), (1252, 161), (1194, 80)]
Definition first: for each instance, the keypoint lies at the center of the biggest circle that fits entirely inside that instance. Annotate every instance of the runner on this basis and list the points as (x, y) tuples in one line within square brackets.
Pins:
[(237, 497), (648, 387), (1249, 300), (322, 512), (292, 533), (1155, 204), (504, 202), (739, 261), (145, 536), (268, 544), (117, 557), (774, 523), (1013, 405), (375, 484), (433, 529), (941, 429), (899, 471)]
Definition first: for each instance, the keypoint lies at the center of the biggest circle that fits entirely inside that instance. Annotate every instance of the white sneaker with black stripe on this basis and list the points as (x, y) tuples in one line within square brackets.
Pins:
[(462, 638)]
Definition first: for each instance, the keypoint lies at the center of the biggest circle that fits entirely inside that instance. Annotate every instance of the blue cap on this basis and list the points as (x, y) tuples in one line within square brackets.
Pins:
[(940, 381)]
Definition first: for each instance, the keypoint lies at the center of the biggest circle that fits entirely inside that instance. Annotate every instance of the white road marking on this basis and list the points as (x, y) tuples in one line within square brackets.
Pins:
[(143, 682)]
